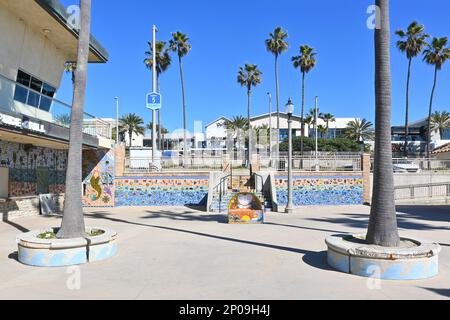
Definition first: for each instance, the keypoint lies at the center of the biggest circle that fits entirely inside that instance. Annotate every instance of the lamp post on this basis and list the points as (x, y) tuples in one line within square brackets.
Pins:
[(154, 78), (290, 111)]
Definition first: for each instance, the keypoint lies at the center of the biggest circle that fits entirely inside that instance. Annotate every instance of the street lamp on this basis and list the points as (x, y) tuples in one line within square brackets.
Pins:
[(290, 111), (361, 144)]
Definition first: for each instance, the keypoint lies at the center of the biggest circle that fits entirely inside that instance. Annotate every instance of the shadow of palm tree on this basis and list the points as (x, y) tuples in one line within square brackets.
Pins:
[(442, 292), (186, 216), (314, 259), (361, 221)]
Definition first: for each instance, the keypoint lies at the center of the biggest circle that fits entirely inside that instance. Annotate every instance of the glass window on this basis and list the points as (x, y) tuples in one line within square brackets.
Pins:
[(21, 93), (40, 97)]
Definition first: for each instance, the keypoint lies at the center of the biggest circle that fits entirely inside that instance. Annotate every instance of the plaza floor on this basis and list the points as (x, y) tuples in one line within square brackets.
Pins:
[(182, 253)]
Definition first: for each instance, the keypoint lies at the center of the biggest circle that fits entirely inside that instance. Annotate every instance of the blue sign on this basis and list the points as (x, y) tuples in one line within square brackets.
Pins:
[(154, 101)]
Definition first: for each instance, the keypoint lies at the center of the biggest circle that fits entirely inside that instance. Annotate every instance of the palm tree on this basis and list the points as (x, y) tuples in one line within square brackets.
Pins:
[(359, 129), (440, 121), (70, 67), (327, 118), (163, 130), (72, 225), (383, 228), (180, 44), (236, 125), (306, 61), (132, 123), (322, 131), (412, 45), (248, 77), (277, 44), (309, 120), (163, 62), (436, 55), (312, 114)]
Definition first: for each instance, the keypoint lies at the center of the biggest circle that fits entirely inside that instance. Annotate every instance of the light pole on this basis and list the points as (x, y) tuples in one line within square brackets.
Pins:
[(290, 111), (117, 120), (154, 30)]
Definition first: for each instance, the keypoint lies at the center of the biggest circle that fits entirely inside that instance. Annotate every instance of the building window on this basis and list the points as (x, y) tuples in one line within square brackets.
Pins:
[(446, 134), (33, 92)]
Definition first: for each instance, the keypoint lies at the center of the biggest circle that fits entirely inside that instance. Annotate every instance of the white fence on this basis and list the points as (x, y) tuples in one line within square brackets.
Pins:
[(338, 163), (146, 165), (422, 191)]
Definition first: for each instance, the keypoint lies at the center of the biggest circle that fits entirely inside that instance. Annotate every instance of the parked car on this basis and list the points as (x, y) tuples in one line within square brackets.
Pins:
[(406, 166)]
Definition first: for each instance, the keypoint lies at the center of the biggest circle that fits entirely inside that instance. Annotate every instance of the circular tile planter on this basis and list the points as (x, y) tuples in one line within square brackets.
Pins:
[(350, 254), (34, 251)]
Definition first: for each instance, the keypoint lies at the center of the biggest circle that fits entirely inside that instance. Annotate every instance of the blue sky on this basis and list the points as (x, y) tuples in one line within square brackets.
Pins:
[(228, 34)]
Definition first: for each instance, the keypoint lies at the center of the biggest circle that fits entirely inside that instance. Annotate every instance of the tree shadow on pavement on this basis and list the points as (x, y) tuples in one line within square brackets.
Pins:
[(442, 292), (186, 216), (361, 221), (424, 212), (314, 259)]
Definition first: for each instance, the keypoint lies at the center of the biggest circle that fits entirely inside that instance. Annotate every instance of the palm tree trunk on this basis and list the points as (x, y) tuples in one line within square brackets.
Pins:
[(72, 225), (302, 139), (249, 150), (430, 111), (184, 114), (383, 229), (130, 134), (278, 102), (407, 108)]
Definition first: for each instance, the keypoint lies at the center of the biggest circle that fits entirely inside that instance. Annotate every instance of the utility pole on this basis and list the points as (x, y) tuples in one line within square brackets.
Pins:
[(154, 91)]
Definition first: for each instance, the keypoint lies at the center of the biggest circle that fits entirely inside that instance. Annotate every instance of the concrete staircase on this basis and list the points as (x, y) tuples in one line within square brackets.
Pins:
[(238, 184)]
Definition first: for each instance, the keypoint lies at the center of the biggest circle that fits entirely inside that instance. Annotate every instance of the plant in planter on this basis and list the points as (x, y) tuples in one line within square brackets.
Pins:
[(382, 252), (72, 243)]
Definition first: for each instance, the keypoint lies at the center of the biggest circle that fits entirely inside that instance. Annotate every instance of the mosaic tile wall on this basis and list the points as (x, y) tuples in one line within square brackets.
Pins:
[(33, 170), (162, 191), (322, 190), (99, 172)]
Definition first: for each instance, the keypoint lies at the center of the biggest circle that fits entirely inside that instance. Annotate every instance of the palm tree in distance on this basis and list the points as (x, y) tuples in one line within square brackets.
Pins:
[(359, 129), (163, 61), (436, 55), (237, 125), (412, 44), (180, 44), (383, 228), (249, 77), (309, 120), (440, 121), (132, 123), (277, 44), (327, 118), (306, 61), (72, 225), (70, 67)]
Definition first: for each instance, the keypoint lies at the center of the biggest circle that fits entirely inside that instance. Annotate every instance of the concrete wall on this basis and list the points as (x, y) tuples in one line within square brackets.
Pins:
[(403, 179)]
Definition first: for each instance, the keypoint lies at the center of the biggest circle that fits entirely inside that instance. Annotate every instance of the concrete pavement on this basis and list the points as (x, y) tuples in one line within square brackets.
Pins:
[(182, 253)]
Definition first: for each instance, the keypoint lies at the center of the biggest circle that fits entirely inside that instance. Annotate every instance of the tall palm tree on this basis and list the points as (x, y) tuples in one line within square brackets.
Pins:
[(70, 67), (306, 61), (440, 121), (132, 123), (237, 124), (412, 45), (249, 77), (327, 118), (163, 61), (180, 44), (383, 228), (322, 131), (357, 129), (72, 225), (436, 55), (277, 44)]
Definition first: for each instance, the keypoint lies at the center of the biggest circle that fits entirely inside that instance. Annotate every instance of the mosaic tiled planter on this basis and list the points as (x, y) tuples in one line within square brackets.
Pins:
[(65, 252), (416, 263)]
